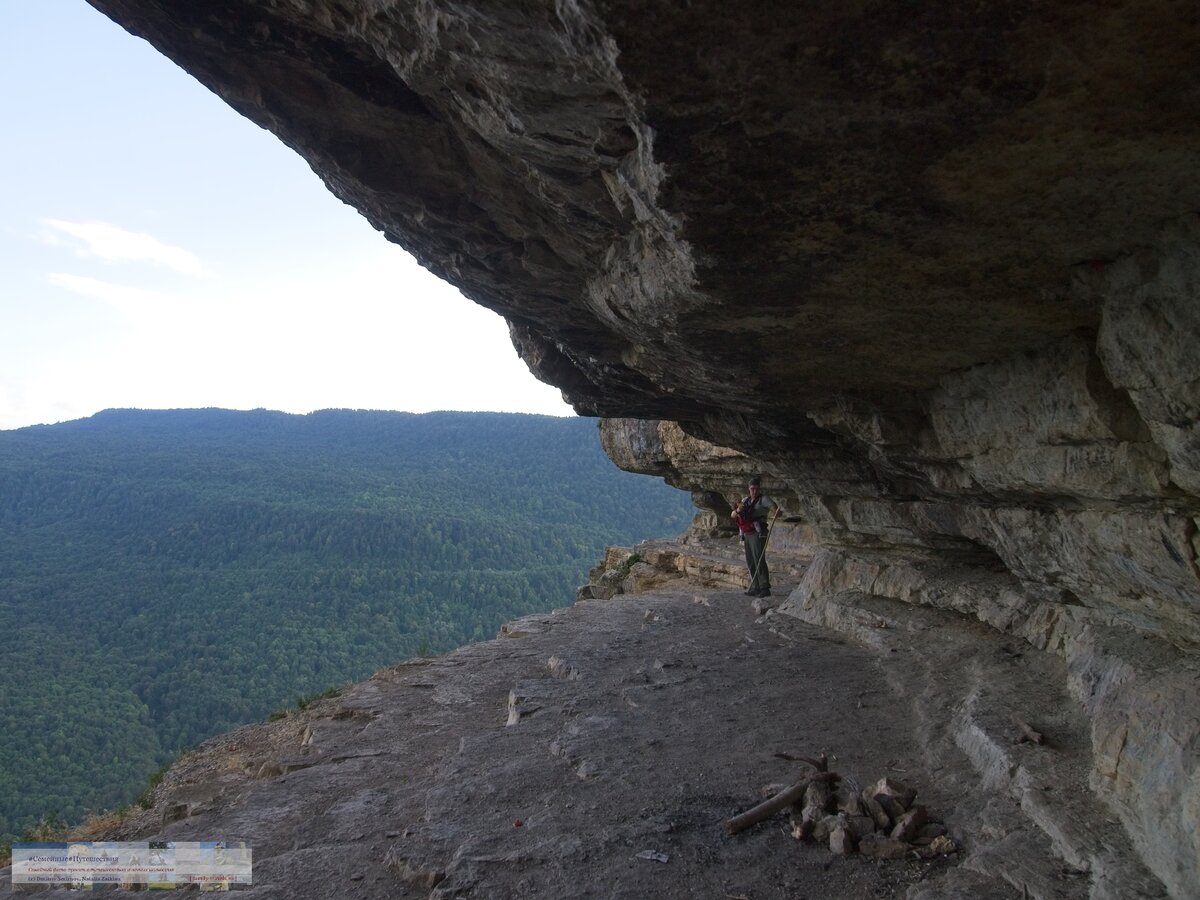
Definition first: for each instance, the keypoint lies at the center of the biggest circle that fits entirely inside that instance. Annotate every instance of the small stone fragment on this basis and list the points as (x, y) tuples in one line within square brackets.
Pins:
[(803, 821), (891, 807), (816, 801), (848, 800), (1028, 732), (817, 797), (826, 825), (653, 855), (878, 847), (876, 812), (514, 708), (860, 826), (908, 824), (841, 841), (761, 606), (897, 790), (942, 844), (604, 591), (926, 833)]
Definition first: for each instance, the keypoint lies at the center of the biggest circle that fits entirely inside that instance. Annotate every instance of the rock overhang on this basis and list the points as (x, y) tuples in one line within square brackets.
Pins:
[(718, 208)]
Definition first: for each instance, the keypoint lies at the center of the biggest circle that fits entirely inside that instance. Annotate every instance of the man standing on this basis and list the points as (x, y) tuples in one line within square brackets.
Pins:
[(751, 516)]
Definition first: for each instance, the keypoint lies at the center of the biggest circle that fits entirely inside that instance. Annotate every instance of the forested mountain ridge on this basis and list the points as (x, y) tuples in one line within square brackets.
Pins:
[(168, 575)]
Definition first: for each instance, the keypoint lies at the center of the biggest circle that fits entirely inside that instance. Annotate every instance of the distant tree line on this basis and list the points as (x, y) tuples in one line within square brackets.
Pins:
[(165, 576)]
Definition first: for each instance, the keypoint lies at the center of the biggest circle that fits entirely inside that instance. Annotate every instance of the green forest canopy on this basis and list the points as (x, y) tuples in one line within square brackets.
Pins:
[(169, 575)]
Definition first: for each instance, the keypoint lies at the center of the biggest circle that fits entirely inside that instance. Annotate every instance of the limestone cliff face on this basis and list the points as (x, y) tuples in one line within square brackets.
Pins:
[(1044, 493), (933, 270)]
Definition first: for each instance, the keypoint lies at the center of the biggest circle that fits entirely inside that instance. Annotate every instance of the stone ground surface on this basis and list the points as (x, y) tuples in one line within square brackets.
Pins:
[(540, 764)]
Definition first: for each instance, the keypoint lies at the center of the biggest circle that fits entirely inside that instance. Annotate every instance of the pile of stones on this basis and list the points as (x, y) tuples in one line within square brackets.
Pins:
[(882, 821)]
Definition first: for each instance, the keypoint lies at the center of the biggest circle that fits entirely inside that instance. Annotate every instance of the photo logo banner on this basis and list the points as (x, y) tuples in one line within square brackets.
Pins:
[(159, 863)]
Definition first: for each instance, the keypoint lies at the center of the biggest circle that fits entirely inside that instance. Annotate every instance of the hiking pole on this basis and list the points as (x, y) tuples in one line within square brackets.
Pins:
[(766, 537)]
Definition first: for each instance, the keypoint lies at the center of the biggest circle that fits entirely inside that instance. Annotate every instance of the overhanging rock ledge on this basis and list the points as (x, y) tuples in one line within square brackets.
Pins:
[(933, 270)]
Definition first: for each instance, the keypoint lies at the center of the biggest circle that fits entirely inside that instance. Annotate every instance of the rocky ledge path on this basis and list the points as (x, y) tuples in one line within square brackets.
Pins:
[(597, 751)]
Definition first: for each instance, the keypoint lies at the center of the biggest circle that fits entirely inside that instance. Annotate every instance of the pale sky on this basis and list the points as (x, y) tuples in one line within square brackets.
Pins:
[(159, 251)]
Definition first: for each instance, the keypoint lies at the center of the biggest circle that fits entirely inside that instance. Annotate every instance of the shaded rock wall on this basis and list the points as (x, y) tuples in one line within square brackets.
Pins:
[(932, 270), (1045, 495)]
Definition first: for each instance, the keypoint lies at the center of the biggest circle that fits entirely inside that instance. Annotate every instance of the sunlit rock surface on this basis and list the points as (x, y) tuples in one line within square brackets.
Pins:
[(932, 270)]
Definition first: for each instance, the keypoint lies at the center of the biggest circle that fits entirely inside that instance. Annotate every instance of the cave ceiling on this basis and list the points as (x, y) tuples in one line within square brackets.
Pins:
[(697, 210)]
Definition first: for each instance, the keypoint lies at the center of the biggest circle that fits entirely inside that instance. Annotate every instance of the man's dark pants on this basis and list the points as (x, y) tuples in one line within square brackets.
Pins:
[(755, 546)]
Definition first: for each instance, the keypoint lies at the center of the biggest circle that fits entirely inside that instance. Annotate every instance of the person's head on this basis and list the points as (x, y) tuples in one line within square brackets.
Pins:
[(755, 486)]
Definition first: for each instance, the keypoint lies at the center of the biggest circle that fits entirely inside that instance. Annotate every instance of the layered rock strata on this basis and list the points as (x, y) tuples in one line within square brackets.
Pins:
[(932, 271)]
